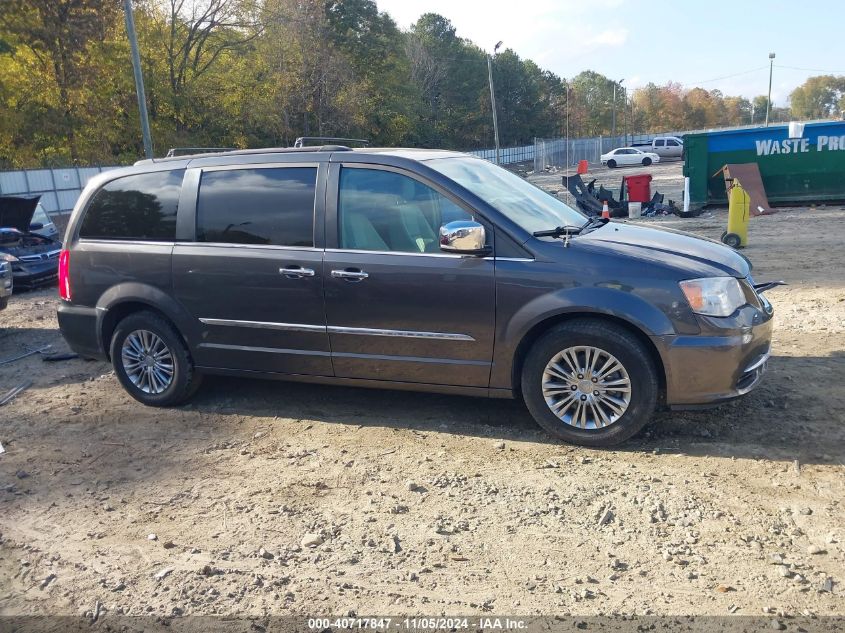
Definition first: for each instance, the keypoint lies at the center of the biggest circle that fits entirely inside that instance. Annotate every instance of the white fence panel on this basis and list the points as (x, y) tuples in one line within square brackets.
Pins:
[(59, 188)]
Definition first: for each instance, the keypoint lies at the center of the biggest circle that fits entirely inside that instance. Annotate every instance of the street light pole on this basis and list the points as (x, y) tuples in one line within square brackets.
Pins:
[(493, 101), (139, 78), (769, 98)]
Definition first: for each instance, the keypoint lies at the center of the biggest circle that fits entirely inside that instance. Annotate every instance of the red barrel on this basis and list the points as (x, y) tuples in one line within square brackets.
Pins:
[(639, 188)]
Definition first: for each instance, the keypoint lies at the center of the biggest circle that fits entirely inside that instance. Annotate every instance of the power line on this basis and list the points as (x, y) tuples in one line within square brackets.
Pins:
[(739, 74), (815, 70)]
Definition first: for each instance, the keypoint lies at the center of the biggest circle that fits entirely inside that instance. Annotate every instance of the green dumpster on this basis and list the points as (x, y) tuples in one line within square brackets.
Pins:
[(809, 167)]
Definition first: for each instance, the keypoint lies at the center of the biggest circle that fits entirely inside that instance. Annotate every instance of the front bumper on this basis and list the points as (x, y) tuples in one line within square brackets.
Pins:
[(6, 282), (36, 273), (726, 361)]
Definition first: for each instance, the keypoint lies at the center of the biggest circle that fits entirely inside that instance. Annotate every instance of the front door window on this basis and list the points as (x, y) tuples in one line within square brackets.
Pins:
[(385, 211)]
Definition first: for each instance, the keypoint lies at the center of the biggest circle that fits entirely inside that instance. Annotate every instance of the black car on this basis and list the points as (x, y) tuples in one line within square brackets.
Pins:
[(406, 269), (34, 258)]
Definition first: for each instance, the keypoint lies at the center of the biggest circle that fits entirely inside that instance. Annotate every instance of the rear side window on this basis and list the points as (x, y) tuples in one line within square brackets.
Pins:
[(273, 206), (140, 207)]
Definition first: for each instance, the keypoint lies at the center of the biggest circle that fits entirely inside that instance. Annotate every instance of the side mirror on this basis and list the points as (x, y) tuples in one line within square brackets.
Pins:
[(463, 236), (36, 226)]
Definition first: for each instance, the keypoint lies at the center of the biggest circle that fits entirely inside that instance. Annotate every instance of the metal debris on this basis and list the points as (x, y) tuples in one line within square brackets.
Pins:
[(12, 393), (31, 352)]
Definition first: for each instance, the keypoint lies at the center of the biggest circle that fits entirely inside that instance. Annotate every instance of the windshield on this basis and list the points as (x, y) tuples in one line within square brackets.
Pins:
[(528, 206), (40, 216)]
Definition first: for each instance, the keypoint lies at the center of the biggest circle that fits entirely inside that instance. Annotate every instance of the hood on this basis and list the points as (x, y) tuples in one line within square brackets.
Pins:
[(16, 213), (695, 256)]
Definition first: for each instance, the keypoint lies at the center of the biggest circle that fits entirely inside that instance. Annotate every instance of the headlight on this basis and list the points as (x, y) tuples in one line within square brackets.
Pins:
[(713, 296), (6, 257)]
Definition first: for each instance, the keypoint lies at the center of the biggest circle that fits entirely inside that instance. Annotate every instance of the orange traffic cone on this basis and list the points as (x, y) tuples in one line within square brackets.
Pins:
[(605, 212)]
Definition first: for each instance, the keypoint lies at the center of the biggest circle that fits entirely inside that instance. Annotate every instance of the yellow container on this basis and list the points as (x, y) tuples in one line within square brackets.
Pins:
[(739, 203)]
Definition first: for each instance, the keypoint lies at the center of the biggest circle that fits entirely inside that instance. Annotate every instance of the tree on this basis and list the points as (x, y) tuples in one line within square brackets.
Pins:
[(59, 34), (196, 33), (819, 97)]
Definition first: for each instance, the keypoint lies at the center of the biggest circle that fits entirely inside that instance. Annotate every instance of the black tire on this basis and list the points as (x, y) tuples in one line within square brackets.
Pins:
[(612, 339), (611, 163), (185, 380), (732, 239), (646, 161)]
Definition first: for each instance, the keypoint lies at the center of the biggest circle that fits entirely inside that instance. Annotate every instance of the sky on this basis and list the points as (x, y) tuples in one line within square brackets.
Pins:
[(693, 42)]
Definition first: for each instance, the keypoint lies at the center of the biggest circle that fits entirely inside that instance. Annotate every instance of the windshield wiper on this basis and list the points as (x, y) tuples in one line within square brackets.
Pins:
[(559, 231), (595, 222), (568, 230)]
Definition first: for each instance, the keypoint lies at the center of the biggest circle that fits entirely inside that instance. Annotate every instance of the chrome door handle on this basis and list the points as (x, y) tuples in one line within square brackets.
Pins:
[(296, 272), (356, 275)]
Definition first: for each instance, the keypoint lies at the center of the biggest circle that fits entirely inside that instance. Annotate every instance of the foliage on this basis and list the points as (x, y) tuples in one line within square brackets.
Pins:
[(819, 97), (251, 73)]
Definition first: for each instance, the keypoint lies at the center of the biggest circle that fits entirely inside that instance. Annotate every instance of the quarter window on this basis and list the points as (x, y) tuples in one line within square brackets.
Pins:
[(384, 211), (139, 207), (272, 206)]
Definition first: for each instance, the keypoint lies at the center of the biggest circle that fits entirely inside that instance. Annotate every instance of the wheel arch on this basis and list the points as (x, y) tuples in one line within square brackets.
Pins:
[(550, 321), (126, 299)]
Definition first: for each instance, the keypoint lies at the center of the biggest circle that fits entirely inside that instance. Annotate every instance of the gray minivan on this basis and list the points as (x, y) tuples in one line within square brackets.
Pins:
[(407, 269)]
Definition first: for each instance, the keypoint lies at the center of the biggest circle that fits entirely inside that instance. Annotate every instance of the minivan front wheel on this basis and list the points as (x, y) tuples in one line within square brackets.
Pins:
[(151, 361), (590, 382)]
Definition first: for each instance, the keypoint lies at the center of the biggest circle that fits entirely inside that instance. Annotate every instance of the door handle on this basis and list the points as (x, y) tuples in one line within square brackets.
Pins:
[(296, 272), (350, 275)]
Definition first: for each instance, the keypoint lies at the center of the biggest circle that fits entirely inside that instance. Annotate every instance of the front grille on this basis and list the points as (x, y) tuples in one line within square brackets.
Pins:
[(40, 257)]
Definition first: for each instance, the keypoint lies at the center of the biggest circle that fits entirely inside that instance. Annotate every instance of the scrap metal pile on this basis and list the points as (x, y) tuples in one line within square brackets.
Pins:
[(591, 201)]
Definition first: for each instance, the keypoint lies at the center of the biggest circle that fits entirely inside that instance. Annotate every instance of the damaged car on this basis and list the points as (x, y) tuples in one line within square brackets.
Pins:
[(33, 258), (5, 283)]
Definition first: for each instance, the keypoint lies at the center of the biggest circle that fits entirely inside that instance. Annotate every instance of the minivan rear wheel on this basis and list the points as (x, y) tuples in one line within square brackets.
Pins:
[(590, 382), (151, 361)]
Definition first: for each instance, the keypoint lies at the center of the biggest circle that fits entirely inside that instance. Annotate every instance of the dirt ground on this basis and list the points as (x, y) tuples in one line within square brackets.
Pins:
[(276, 498)]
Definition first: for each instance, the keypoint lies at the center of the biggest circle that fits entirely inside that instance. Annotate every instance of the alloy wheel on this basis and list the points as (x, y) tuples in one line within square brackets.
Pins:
[(586, 387), (147, 361)]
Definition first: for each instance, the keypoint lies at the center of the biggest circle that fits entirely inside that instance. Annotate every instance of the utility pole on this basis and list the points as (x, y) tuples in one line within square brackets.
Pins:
[(769, 98), (139, 78), (613, 119), (493, 100), (567, 126), (625, 120)]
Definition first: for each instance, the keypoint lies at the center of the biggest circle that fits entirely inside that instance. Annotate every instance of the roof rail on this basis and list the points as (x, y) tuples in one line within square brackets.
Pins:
[(206, 152), (302, 140), (183, 151)]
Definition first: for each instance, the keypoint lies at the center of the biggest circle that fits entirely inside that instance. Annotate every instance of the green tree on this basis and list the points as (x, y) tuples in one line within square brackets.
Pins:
[(819, 97), (59, 36)]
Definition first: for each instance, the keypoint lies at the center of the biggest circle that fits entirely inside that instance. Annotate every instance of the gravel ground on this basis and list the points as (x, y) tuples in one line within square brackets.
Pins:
[(264, 498)]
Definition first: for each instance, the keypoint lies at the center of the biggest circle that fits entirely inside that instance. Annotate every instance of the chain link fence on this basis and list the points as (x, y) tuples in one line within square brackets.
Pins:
[(509, 155), (58, 188), (560, 152)]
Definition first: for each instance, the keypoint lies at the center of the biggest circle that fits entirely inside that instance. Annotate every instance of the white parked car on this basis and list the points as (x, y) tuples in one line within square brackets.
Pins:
[(628, 156)]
